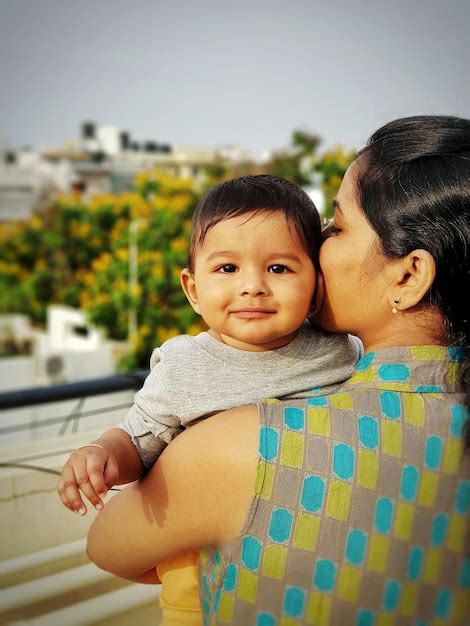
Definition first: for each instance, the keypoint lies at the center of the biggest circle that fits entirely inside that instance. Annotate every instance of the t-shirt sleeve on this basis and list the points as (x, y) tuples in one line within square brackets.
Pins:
[(150, 422), (357, 348)]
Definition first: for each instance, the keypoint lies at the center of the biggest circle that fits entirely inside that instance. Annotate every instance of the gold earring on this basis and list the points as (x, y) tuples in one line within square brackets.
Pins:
[(396, 302)]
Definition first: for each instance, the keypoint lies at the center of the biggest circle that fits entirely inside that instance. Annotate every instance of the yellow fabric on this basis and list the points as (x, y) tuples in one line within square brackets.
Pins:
[(179, 599)]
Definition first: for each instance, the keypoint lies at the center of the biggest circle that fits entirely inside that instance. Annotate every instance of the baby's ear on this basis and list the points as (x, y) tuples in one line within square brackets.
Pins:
[(317, 300), (189, 287)]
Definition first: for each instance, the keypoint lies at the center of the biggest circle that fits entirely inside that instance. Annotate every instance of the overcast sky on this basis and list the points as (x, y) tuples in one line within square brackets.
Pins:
[(240, 72)]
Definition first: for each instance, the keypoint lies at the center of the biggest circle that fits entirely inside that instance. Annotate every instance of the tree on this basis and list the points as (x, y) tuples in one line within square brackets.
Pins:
[(296, 162)]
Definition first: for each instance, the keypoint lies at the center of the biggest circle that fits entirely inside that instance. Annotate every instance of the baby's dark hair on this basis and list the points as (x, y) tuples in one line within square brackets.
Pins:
[(252, 194)]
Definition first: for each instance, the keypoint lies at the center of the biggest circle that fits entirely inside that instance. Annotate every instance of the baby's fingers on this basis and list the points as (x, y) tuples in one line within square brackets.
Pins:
[(69, 493), (98, 478), (85, 475)]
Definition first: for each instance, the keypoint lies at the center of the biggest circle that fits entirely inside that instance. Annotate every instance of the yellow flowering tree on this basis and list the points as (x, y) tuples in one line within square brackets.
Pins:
[(331, 165), (81, 254), (152, 243)]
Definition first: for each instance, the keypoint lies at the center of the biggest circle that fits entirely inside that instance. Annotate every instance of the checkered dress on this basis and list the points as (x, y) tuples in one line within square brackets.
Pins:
[(361, 509)]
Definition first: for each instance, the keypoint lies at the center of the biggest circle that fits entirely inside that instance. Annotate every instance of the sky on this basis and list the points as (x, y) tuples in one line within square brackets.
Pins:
[(214, 72)]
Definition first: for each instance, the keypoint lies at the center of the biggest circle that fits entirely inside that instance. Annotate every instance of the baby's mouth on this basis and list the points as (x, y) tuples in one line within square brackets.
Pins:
[(252, 312)]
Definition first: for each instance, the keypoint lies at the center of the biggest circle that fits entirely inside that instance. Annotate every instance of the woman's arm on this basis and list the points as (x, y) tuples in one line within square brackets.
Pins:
[(197, 494)]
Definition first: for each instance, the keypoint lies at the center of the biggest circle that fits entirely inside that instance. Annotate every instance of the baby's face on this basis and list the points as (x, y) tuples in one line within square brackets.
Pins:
[(253, 281)]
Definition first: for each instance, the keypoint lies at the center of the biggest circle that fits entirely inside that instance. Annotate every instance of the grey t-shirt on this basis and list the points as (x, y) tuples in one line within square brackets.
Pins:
[(194, 377)]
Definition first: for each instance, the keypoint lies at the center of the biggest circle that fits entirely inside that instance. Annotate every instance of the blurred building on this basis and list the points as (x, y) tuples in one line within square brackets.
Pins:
[(104, 159)]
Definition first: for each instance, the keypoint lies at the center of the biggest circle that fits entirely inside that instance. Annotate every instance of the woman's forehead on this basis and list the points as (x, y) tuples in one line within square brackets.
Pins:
[(347, 202)]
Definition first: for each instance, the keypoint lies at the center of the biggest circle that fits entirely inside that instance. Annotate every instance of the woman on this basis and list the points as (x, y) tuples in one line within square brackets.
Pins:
[(353, 507)]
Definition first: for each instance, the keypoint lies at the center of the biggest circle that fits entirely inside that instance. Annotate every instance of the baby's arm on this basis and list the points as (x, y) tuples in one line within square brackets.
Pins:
[(94, 468), (122, 454), (151, 423)]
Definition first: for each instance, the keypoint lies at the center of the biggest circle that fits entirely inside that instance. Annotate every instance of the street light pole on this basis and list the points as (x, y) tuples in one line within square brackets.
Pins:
[(133, 277)]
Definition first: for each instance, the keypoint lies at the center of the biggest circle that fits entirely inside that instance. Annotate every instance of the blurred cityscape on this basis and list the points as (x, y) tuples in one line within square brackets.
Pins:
[(104, 159)]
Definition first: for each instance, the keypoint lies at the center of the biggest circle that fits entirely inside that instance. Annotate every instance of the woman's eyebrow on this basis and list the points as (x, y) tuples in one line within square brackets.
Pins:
[(336, 206)]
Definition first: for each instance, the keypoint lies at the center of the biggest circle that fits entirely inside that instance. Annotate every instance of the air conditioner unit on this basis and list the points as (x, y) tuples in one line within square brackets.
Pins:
[(52, 369)]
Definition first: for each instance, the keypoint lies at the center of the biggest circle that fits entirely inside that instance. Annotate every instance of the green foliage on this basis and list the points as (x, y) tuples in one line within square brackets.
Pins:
[(331, 166), (295, 163), (77, 253)]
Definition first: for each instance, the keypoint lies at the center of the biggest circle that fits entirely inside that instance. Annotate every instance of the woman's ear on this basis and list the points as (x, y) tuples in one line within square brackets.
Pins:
[(189, 287), (318, 295), (416, 276)]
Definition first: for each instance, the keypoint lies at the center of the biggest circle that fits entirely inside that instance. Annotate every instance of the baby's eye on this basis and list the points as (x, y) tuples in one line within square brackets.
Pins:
[(227, 268), (278, 269)]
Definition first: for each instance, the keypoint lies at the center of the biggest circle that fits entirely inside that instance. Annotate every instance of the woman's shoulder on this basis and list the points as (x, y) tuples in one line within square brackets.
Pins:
[(219, 434), (216, 461)]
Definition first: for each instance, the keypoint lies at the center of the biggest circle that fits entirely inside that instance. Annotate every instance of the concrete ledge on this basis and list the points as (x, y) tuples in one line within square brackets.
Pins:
[(51, 586), (37, 564), (102, 608)]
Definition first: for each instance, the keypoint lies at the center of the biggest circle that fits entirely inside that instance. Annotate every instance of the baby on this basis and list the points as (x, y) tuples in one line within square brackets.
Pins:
[(251, 275)]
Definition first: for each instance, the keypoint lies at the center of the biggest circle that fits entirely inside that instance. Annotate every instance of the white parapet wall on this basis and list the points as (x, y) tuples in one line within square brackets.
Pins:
[(69, 350), (33, 517)]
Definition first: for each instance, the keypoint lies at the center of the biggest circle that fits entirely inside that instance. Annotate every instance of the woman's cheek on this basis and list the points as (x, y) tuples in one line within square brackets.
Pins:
[(327, 258)]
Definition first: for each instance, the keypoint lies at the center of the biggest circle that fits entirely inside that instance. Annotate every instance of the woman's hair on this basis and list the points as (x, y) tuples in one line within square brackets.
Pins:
[(249, 194), (413, 180)]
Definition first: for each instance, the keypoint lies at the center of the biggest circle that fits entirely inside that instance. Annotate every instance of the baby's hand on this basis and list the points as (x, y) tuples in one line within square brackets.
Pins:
[(90, 469)]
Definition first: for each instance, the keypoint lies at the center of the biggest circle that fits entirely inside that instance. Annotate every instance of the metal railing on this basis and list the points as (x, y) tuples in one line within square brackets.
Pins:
[(79, 391), (69, 391)]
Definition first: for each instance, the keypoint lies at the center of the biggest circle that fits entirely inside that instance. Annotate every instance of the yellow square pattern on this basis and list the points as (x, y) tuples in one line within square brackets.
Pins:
[(429, 353), (367, 376), (413, 409), (404, 517), (457, 529), (409, 599), (432, 564), (288, 621), (391, 437), (462, 604), (306, 531), (319, 421), (385, 619), (265, 480), (226, 607), (452, 456), (428, 488), (342, 401), (349, 583), (339, 500), (274, 561), (247, 586), (398, 387), (318, 609), (367, 468), (292, 448), (378, 553)]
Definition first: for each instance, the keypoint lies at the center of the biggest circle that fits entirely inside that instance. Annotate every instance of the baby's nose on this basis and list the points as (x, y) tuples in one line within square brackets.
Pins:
[(254, 283)]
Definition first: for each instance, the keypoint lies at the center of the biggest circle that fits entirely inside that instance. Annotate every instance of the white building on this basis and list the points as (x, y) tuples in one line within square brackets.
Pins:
[(69, 350)]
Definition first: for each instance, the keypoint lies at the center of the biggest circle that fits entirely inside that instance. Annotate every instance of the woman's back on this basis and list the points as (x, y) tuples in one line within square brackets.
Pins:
[(362, 506)]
